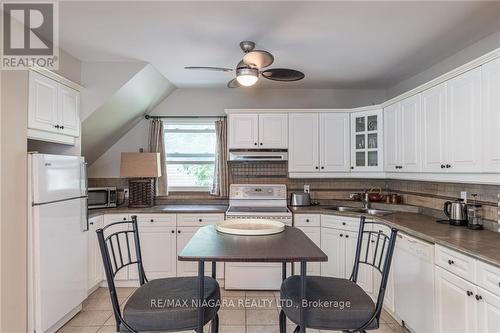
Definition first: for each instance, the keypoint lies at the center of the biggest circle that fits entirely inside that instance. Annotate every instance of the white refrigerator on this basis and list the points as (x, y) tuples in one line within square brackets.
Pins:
[(57, 239)]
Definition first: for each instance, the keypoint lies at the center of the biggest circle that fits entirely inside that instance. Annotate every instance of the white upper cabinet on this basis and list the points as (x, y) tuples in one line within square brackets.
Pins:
[(490, 87), (334, 142), (273, 130), (366, 141), (318, 142), (258, 130), (69, 105), (410, 134), (391, 137), (43, 103), (303, 152), (243, 131), (54, 110), (402, 135), (434, 129), (464, 122)]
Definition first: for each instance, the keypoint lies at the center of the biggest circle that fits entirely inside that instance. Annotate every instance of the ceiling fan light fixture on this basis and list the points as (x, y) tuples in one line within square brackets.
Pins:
[(247, 76)]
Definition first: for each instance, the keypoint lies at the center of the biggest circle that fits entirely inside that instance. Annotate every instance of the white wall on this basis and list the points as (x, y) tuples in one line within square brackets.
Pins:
[(212, 102), (458, 59), (102, 79)]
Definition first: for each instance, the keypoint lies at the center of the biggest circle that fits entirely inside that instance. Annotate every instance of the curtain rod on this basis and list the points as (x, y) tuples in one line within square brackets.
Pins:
[(182, 117)]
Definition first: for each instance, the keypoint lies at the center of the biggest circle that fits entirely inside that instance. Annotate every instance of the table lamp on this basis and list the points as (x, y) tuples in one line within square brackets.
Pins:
[(141, 169)]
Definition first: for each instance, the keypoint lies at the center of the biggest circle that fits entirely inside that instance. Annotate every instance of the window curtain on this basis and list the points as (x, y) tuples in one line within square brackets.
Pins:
[(156, 144), (220, 186)]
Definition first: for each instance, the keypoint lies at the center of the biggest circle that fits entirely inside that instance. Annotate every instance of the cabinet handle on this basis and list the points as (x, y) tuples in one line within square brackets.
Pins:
[(322, 167), (346, 236), (151, 220), (469, 293), (448, 166), (91, 223), (450, 262), (261, 143), (124, 219), (56, 126), (341, 235), (443, 166), (307, 220), (479, 297), (178, 231), (61, 127), (200, 220), (255, 143), (343, 223), (352, 168), (316, 168), (172, 231)]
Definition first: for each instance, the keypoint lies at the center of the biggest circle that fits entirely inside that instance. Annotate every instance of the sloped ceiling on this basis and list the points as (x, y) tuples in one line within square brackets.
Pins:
[(122, 111)]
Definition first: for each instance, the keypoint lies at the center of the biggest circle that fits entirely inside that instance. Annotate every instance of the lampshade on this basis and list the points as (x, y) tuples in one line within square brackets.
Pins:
[(138, 165)]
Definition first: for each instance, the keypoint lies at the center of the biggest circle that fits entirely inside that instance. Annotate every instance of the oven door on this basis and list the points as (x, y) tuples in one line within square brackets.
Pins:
[(98, 198)]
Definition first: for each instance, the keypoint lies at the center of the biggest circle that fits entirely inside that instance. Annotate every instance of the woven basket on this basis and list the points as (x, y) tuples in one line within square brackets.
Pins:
[(141, 192)]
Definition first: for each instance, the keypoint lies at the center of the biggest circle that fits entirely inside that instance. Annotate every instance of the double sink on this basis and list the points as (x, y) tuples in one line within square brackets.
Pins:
[(360, 210)]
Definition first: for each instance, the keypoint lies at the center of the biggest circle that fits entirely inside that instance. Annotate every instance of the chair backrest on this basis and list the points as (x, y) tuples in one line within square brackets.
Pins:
[(120, 247), (375, 247)]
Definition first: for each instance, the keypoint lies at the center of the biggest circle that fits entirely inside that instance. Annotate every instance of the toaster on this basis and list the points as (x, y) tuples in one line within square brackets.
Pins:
[(300, 199)]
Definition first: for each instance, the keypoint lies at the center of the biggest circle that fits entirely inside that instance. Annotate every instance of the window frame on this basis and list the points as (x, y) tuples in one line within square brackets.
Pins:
[(189, 121)]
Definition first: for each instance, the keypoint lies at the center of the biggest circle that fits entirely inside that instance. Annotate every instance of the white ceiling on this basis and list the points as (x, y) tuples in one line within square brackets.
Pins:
[(336, 44)]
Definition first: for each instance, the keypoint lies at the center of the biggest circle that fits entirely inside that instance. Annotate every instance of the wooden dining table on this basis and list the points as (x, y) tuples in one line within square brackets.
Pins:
[(288, 246)]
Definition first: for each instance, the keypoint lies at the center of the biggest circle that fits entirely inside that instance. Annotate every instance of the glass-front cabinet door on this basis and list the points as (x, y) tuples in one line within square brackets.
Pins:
[(366, 141)]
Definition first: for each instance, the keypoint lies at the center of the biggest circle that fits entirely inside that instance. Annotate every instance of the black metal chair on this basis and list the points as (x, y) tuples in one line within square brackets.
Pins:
[(327, 297), (160, 305)]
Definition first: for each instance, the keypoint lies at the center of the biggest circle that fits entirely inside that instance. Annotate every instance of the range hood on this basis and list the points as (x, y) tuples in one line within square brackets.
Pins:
[(245, 155)]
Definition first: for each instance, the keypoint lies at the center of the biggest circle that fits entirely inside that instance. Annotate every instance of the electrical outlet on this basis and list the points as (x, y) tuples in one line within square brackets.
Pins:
[(306, 189), (125, 193), (463, 196)]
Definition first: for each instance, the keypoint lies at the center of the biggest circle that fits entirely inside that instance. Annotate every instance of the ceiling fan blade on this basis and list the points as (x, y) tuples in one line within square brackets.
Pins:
[(258, 59), (217, 69), (233, 84), (283, 74)]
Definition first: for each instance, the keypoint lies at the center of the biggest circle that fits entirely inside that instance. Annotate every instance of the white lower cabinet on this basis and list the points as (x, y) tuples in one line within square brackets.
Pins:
[(488, 312), (465, 306), (158, 248), (162, 238), (314, 234), (455, 303), (111, 218), (94, 259), (339, 244)]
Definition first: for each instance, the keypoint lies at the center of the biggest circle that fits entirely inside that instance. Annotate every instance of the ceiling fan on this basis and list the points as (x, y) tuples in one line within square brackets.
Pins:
[(250, 67)]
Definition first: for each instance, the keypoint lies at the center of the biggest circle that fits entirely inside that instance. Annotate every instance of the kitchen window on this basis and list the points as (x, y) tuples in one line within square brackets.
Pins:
[(190, 153)]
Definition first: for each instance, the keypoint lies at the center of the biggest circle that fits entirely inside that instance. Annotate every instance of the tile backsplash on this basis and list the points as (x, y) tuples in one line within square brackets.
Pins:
[(425, 194)]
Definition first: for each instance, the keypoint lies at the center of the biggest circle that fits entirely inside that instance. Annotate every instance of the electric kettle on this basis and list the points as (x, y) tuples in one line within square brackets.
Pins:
[(456, 211)]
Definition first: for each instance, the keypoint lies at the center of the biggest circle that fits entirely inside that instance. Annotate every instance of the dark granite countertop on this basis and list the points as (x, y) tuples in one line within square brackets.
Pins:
[(481, 244), (173, 209)]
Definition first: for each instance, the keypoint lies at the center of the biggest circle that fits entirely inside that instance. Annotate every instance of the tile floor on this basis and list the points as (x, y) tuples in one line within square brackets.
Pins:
[(245, 312)]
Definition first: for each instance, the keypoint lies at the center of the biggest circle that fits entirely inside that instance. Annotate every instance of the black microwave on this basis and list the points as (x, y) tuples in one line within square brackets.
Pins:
[(101, 197)]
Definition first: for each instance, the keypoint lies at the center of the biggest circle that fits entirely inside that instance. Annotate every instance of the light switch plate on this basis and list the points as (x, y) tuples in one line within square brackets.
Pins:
[(306, 189)]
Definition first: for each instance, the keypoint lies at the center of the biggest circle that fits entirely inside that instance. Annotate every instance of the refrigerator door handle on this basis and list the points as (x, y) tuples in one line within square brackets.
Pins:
[(85, 179), (85, 222)]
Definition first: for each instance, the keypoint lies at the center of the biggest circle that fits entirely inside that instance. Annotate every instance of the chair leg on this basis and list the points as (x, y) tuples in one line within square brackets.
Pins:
[(215, 324), (282, 322), (297, 329)]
